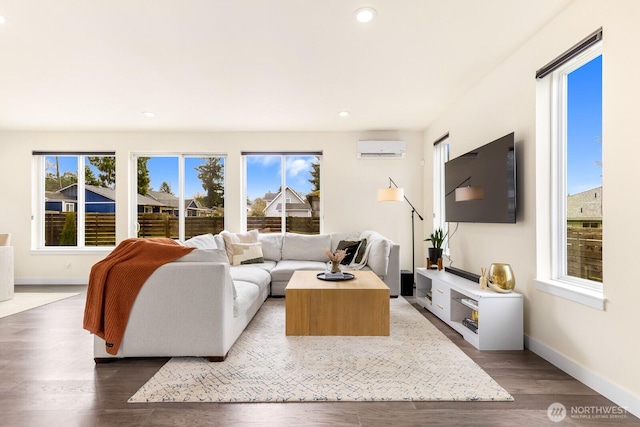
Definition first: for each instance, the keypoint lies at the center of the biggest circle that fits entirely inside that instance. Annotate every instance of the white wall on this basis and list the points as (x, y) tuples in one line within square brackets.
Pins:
[(601, 347), (349, 185)]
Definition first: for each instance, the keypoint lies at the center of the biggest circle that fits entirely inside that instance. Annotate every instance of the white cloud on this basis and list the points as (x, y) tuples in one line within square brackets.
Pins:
[(264, 160), (298, 165)]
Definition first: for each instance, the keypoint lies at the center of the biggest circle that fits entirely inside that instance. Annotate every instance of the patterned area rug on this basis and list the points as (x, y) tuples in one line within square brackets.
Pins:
[(416, 363)]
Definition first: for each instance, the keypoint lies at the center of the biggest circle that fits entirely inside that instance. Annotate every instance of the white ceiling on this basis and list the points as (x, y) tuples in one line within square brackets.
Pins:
[(250, 65)]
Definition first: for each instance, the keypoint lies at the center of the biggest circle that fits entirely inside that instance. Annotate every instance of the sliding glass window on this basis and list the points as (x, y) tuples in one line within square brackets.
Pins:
[(167, 185), (570, 239), (283, 192), (440, 157), (74, 200)]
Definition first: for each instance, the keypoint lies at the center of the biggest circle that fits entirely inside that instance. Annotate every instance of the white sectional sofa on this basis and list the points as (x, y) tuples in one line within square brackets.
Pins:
[(199, 304)]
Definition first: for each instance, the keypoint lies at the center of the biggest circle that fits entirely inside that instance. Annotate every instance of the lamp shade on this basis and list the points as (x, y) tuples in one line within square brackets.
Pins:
[(391, 194), (469, 193)]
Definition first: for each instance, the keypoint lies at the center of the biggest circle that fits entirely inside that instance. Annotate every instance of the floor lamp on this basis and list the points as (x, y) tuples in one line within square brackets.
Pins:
[(396, 194)]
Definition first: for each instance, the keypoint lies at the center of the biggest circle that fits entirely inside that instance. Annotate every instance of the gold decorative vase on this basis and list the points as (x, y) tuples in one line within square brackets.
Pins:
[(501, 278)]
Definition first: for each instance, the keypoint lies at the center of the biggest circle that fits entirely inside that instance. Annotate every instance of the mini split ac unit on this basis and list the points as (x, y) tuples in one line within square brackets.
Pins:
[(381, 149)]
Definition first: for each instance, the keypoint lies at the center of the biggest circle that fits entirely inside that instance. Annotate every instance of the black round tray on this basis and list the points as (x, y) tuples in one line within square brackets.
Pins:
[(347, 276)]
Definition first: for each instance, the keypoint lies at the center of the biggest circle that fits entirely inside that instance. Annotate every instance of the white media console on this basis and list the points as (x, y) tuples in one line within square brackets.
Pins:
[(453, 298)]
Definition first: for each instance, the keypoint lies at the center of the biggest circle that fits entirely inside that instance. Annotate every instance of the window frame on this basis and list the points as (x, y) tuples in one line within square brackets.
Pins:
[(551, 187), (134, 227), (441, 152), (283, 184), (38, 203)]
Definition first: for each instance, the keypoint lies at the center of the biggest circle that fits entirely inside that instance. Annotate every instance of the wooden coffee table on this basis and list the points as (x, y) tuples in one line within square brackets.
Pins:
[(352, 307)]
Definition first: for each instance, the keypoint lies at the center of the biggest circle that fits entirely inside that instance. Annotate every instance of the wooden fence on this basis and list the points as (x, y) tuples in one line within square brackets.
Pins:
[(100, 228), (164, 225), (584, 253), (270, 224)]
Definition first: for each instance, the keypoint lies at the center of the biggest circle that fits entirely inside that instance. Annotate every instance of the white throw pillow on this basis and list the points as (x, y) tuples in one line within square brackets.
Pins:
[(378, 249), (247, 253), (219, 241), (203, 241)]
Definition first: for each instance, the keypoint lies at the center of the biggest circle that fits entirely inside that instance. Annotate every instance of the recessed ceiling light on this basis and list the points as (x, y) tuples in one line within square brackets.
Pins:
[(148, 114), (343, 113), (2, 20), (365, 14)]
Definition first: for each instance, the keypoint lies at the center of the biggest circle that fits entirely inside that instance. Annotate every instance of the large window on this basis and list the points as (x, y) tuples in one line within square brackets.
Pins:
[(75, 200), (440, 157), (178, 196), (574, 92), (283, 192), (582, 167)]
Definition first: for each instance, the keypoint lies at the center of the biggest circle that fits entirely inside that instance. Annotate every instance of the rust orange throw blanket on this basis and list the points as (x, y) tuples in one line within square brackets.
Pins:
[(115, 282)]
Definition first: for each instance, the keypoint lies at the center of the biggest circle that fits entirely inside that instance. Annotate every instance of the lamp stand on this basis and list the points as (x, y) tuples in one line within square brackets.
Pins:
[(413, 244), (388, 194)]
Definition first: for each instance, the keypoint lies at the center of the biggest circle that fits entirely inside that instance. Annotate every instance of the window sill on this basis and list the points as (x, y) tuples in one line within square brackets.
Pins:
[(590, 298), (103, 250)]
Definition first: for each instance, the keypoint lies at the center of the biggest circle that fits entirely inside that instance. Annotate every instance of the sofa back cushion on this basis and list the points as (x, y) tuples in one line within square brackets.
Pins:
[(271, 245), (305, 247), (205, 255), (338, 236)]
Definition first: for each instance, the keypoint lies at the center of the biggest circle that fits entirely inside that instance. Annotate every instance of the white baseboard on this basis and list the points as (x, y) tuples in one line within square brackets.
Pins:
[(51, 281), (618, 395)]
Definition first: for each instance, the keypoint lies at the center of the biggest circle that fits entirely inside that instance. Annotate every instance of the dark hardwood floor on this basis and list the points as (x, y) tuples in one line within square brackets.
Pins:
[(48, 378)]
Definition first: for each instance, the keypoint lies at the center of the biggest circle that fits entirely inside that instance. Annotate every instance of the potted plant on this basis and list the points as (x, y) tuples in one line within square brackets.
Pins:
[(437, 239)]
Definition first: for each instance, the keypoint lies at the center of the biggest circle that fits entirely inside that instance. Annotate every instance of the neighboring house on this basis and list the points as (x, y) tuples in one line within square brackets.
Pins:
[(293, 203), (170, 201), (585, 209), (55, 202), (195, 208), (97, 200)]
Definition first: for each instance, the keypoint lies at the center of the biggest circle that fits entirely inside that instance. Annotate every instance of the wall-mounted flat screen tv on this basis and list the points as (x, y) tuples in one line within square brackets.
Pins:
[(480, 186)]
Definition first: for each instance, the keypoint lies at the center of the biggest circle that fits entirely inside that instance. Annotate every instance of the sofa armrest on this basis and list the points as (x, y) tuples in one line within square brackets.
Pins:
[(182, 309), (6, 273), (392, 278)]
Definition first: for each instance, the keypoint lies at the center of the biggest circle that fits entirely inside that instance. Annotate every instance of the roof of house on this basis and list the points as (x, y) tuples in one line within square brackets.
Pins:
[(586, 205), (295, 206), (269, 196), (288, 190), (167, 199), (106, 192), (51, 196), (110, 193)]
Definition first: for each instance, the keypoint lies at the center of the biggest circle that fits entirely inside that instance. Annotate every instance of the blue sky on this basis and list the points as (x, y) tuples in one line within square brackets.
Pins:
[(264, 173), (584, 127), (166, 169)]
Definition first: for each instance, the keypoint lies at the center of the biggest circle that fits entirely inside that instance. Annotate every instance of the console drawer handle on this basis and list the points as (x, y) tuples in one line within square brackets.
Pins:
[(440, 290), (441, 307)]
